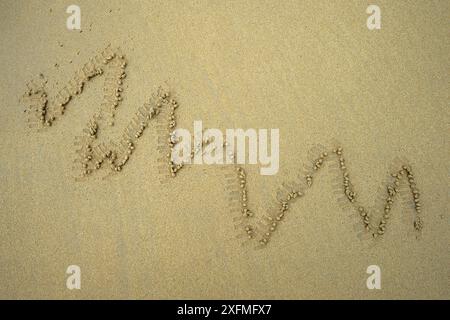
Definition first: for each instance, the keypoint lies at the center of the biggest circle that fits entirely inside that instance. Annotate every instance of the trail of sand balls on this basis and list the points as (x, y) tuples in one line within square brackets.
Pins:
[(259, 230), (93, 155)]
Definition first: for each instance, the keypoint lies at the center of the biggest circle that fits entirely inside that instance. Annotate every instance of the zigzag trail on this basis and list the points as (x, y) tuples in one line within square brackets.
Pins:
[(94, 155)]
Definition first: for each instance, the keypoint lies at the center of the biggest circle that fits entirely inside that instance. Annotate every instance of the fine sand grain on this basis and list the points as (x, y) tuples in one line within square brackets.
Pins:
[(363, 180)]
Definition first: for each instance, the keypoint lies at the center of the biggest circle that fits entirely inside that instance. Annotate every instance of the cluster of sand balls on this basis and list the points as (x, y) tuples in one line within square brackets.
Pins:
[(250, 229), (119, 154), (292, 193), (348, 187), (172, 139), (392, 192), (365, 217), (274, 221), (175, 167), (246, 212), (407, 171), (378, 229), (38, 105), (44, 113)]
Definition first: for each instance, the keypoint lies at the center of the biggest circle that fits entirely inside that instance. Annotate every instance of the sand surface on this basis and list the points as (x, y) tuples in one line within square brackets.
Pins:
[(310, 68)]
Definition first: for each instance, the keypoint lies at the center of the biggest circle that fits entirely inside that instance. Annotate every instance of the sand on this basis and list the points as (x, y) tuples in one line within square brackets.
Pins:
[(311, 69)]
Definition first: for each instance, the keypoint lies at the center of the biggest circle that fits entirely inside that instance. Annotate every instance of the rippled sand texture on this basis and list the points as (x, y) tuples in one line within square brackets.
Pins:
[(311, 69)]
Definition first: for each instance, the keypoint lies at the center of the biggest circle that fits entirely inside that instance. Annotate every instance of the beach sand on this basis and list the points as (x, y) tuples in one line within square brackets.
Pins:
[(310, 68)]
